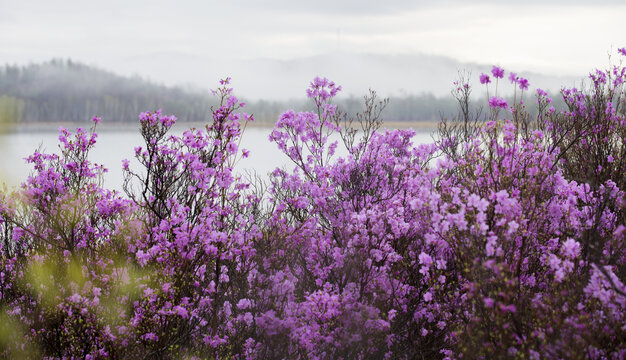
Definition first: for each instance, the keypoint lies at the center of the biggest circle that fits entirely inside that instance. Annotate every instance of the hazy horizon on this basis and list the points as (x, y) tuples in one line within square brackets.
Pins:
[(272, 49)]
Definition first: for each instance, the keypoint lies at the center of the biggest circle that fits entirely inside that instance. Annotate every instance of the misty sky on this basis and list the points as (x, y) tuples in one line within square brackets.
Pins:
[(126, 36)]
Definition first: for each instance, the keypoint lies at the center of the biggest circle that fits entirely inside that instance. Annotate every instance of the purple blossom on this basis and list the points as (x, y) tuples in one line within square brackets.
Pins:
[(353, 254), (497, 72), (150, 337), (181, 311), (244, 304), (497, 103), (488, 302), (484, 79), (425, 259), (523, 83), (571, 248)]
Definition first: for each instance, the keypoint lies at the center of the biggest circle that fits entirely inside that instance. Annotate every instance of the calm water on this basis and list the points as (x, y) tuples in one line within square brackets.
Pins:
[(114, 145)]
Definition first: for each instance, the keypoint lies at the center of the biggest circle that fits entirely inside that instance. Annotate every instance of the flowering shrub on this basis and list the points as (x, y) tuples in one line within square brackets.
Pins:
[(504, 238)]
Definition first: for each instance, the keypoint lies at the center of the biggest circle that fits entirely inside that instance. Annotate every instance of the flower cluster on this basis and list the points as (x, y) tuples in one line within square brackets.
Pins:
[(504, 238)]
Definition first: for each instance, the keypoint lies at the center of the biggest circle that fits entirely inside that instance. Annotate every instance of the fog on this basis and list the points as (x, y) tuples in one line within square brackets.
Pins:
[(272, 49), (389, 75)]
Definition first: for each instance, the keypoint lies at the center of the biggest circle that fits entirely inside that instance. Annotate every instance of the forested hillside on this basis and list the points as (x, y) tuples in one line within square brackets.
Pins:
[(62, 90), (67, 91)]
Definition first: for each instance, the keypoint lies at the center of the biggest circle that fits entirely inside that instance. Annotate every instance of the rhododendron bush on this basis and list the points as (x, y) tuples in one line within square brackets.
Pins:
[(504, 238)]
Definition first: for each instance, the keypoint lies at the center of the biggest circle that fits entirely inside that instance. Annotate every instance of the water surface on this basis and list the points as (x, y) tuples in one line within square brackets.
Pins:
[(116, 144)]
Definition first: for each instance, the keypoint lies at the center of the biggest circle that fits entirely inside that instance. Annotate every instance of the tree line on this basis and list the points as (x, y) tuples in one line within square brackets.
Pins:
[(66, 91)]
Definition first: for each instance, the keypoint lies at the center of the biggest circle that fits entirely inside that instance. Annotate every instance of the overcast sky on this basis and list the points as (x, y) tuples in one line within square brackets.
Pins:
[(560, 37)]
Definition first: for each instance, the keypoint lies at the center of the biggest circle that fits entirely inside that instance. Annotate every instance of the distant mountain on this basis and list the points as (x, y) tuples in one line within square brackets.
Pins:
[(389, 75)]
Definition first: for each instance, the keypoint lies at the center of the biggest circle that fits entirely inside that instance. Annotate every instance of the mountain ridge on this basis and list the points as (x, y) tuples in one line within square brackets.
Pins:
[(280, 79)]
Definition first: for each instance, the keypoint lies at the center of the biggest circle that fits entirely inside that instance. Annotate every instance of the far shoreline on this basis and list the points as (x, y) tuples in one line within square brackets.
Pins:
[(48, 127)]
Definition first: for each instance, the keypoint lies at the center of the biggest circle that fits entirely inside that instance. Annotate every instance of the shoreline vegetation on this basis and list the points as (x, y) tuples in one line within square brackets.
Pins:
[(419, 126), (503, 238)]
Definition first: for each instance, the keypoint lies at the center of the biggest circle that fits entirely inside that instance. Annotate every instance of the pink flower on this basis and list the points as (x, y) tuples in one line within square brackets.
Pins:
[(248, 318), (513, 78), (244, 304), (181, 311), (484, 79), (142, 257), (322, 90), (523, 83), (488, 302), (497, 72), (425, 259), (571, 248), (150, 336), (497, 102)]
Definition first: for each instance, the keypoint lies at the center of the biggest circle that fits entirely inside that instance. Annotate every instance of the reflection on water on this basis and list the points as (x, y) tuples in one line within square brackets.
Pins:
[(114, 145)]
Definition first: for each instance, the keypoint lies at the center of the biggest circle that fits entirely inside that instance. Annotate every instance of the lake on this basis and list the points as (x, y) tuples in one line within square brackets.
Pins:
[(116, 144)]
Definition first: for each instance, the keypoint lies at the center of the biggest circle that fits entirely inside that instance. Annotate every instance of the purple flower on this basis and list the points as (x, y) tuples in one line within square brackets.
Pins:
[(571, 248), (513, 78), (484, 78), (498, 102), (322, 90), (181, 311), (425, 259), (488, 302), (248, 318), (244, 304), (142, 257), (497, 72), (202, 226), (622, 51), (523, 83), (150, 336)]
